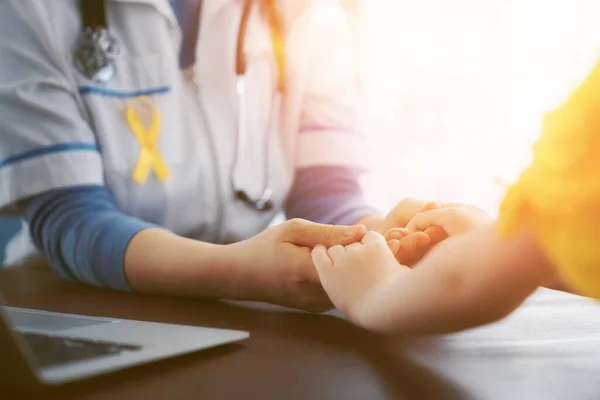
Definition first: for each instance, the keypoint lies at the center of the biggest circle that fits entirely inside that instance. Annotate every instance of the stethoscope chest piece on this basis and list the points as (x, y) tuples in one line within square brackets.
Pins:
[(95, 55)]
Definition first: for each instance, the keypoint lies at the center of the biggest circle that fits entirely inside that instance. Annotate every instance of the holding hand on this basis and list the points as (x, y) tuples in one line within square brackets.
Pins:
[(276, 267), (438, 223), (453, 218), (410, 246), (405, 211), (351, 274)]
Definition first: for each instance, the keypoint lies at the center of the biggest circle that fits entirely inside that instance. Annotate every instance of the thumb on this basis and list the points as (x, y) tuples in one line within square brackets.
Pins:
[(437, 234), (394, 246), (321, 259), (310, 234), (441, 218), (406, 210)]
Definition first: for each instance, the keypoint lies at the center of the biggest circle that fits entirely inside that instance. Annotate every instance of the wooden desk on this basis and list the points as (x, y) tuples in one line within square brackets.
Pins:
[(290, 355), (549, 349)]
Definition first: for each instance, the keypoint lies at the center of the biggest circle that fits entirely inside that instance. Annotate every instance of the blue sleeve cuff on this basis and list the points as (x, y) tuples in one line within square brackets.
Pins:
[(83, 235)]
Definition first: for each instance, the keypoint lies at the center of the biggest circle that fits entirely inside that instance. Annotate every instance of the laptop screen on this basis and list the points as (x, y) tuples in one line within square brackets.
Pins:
[(17, 362)]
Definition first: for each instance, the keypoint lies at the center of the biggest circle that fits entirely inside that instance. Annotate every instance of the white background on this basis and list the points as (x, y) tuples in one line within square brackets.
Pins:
[(456, 89)]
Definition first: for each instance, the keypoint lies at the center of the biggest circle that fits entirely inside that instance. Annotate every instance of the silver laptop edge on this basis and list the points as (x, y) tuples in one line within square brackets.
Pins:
[(157, 341)]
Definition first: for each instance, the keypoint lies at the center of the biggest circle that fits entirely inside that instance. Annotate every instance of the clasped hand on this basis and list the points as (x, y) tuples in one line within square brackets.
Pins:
[(276, 266), (354, 274)]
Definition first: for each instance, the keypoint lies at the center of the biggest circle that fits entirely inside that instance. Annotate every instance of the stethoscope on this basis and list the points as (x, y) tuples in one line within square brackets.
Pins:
[(97, 50)]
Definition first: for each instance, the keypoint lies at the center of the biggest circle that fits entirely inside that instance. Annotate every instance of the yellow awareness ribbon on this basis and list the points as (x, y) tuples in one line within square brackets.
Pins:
[(149, 158)]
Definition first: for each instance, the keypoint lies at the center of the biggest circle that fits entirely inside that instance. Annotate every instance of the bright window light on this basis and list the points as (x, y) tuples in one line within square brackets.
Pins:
[(456, 89)]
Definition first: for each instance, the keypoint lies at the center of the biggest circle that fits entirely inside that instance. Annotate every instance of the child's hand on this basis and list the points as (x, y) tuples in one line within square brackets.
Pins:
[(453, 218), (405, 210), (349, 274), (410, 246), (438, 224)]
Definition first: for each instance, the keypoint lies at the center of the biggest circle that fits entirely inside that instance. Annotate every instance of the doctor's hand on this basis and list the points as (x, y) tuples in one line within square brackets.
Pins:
[(354, 275), (276, 266)]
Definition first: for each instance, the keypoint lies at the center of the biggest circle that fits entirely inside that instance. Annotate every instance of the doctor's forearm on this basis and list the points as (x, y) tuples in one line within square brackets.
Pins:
[(85, 237), (160, 262)]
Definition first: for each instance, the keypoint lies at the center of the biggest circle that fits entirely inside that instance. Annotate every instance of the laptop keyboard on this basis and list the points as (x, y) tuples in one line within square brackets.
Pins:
[(53, 350)]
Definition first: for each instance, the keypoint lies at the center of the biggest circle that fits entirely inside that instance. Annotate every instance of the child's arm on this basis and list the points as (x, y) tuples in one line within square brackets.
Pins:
[(466, 281)]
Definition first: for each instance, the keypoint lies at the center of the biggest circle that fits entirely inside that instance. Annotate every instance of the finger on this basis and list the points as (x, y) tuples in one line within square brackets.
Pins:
[(422, 246), (412, 248), (422, 239), (396, 233), (320, 258), (432, 205), (373, 237), (353, 246), (394, 246), (405, 211), (424, 220), (336, 252), (437, 234), (305, 233), (411, 242)]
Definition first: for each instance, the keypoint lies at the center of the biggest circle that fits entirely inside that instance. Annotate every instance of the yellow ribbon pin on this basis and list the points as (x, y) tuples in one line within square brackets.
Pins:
[(149, 158)]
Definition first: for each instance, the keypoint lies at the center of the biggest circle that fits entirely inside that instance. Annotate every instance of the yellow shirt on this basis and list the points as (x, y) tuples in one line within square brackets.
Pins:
[(558, 195)]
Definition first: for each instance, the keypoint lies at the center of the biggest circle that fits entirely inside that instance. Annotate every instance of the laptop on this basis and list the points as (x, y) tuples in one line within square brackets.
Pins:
[(45, 348)]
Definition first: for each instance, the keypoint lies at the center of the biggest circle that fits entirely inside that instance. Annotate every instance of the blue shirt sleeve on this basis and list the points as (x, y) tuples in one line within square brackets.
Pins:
[(83, 234), (328, 194)]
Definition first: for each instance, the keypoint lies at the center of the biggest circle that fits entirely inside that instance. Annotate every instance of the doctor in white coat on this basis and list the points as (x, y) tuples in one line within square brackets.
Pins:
[(150, 143)]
